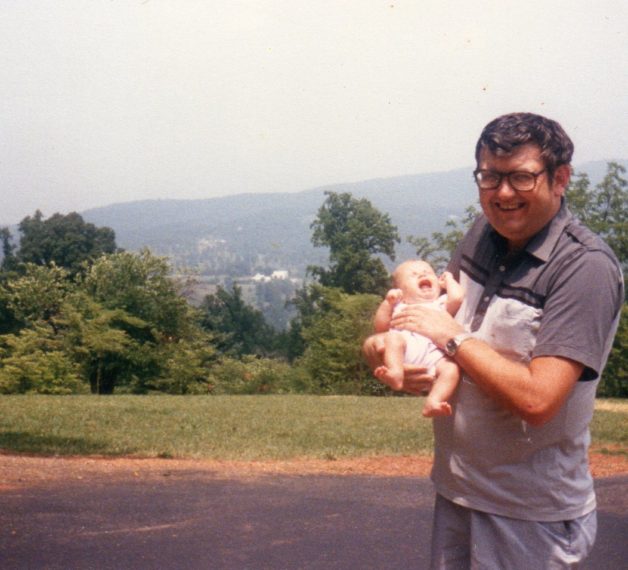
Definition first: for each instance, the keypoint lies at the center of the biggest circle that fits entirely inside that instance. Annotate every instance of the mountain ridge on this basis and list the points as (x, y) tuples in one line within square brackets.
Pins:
[(249, 232)]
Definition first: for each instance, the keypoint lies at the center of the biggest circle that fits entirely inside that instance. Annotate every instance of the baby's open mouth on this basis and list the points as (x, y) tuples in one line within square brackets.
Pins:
[(425, 284)]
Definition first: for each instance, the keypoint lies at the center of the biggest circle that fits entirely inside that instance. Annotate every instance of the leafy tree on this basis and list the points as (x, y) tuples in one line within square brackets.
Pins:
[(186, 367), (37, 295), (273, 301), (140, 299), (307, 301), (441, 246), (334, 338), (9, 262), (140, 284), (66, 240), (34, 361), (238, 328), (603, 208), (355, 232), (615, 378), (102, 341), (254, 375)]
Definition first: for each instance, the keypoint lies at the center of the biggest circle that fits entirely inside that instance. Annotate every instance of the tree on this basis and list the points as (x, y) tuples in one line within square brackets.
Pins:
[(140, 284), (603, 208), (238, 328), (615, 378), (334, 337), (8, 250), (441, 246), (66, 240), (137, 296), (33, 361), (37, 295), (355, 233)]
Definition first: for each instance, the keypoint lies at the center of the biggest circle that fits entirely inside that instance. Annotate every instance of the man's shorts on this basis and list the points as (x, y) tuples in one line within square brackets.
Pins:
[(464, 539)]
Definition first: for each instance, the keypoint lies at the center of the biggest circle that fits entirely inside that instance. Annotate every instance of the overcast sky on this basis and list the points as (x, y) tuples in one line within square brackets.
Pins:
[(105, 101)]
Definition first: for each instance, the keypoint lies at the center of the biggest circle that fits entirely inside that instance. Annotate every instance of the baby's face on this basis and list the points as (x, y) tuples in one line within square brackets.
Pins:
[(418, 281)]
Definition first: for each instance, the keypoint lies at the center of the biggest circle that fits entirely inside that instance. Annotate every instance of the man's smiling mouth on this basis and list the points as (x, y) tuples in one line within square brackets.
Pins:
[(509, 207)]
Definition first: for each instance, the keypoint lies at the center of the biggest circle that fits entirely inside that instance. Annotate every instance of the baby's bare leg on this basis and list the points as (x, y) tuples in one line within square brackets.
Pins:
[(391, 370), (445, 383)]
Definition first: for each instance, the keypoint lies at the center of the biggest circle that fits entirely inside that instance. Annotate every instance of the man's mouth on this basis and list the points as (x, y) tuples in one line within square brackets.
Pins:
[(509, 207)]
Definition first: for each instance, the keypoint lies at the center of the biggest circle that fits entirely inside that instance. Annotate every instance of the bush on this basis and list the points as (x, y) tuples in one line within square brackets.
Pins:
[(34, 365), (334, 337), (614, 383), (252, 375)]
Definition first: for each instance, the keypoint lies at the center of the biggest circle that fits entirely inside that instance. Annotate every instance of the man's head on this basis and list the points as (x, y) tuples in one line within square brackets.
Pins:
[(417, 280), (523, 168), (502, 136)]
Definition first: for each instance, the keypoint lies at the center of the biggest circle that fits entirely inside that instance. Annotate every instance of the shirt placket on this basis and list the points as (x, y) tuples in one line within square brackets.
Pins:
[(495, 279)]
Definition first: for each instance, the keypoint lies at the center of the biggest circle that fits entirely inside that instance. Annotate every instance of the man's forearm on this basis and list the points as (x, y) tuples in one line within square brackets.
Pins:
[(535, 391)]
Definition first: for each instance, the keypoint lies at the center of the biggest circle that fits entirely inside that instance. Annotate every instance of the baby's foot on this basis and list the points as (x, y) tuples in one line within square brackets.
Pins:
[(434, 408), (389, 376)]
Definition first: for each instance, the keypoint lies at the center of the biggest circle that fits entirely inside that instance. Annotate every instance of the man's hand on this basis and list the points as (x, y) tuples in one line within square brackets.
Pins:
[(438, 326), (416, 380)]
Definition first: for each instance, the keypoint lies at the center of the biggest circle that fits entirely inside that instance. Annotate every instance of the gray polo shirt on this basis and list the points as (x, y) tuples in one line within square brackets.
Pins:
[(561, 296)]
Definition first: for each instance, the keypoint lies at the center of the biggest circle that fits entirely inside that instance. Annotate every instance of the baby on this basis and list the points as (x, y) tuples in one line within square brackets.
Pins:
[(416, 282)]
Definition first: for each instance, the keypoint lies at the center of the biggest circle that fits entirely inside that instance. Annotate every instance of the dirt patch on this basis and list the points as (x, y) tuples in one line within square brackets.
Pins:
[(23, 471)]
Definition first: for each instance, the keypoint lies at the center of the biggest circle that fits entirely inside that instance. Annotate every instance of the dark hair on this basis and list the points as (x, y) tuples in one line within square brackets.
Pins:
[(504, 134)]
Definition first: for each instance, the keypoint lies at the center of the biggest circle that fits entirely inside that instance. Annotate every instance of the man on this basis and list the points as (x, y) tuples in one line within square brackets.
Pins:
[(543, 299)]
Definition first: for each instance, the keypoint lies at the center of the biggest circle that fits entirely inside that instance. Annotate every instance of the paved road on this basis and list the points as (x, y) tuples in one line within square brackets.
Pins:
[(190, 520)]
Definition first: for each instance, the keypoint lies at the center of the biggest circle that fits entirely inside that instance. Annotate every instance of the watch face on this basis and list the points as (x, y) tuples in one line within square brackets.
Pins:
[(451, 346)]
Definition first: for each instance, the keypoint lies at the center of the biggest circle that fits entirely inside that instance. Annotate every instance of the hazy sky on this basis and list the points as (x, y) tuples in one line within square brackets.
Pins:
[(109, 100)]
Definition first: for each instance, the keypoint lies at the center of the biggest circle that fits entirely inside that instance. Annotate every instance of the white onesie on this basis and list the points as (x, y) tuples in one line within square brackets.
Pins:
[(420, 349)]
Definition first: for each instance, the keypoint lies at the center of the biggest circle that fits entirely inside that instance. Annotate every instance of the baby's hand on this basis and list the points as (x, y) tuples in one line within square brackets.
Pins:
[(444, 278), (394, 296)]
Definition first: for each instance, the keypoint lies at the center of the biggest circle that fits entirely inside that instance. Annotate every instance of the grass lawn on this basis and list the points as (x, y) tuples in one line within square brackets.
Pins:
[(239, 427)]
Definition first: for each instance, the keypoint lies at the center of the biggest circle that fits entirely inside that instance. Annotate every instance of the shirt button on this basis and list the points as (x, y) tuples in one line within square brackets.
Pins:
[(502, 268), (487, 299)]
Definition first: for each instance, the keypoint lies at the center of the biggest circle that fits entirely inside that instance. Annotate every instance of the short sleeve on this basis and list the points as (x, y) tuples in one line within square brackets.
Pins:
[(581, 311)]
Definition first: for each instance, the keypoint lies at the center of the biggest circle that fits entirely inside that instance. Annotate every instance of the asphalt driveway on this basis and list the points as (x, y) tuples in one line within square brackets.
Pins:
[(194, 520)]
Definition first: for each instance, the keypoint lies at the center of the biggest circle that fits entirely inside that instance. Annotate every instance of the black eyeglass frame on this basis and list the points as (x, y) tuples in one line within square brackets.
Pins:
[(508, 175)]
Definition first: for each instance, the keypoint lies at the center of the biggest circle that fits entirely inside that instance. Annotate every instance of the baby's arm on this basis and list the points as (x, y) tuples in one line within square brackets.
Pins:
[(455, 292), (384, 312)]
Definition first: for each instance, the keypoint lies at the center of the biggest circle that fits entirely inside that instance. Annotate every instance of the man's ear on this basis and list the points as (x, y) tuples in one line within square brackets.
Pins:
[(561, 179)]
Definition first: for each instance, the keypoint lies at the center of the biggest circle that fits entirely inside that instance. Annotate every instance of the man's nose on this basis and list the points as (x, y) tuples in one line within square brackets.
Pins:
[(505, 188)]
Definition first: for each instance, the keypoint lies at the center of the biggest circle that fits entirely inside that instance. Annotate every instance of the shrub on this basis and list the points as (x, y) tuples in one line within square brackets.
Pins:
[(252, 375)]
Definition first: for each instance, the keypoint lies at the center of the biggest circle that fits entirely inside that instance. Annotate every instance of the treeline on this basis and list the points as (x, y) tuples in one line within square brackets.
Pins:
[(78, 315)]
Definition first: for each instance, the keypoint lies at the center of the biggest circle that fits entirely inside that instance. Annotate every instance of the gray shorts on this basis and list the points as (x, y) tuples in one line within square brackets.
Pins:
[(464, 539)]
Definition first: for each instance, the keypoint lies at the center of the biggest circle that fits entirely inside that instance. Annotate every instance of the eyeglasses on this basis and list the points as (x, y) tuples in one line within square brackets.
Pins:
[(519, 180)]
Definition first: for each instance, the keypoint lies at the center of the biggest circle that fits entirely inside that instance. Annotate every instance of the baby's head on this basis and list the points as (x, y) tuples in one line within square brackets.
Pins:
[(417, 280)]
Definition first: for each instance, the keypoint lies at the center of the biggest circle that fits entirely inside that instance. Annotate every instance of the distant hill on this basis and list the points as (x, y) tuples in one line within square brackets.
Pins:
[(246, 233)]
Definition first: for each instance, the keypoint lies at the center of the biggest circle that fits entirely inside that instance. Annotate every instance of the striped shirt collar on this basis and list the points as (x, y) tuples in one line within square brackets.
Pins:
[(543, 243)]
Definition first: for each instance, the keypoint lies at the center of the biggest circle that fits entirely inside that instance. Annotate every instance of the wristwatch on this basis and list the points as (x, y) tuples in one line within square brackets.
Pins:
[(454, 343)]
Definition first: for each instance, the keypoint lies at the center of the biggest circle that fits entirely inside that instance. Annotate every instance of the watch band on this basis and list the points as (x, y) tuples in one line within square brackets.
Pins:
[(453, 344)]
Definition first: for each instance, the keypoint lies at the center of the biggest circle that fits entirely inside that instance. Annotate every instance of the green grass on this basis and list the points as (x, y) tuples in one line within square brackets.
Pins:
[(222, 427), (236, 427)]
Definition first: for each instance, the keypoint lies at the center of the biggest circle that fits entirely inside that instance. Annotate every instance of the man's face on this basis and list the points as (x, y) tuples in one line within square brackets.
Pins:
[(518, 216)]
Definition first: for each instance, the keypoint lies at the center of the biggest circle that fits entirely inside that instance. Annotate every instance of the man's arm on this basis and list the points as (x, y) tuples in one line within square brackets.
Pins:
[(534, 392)]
